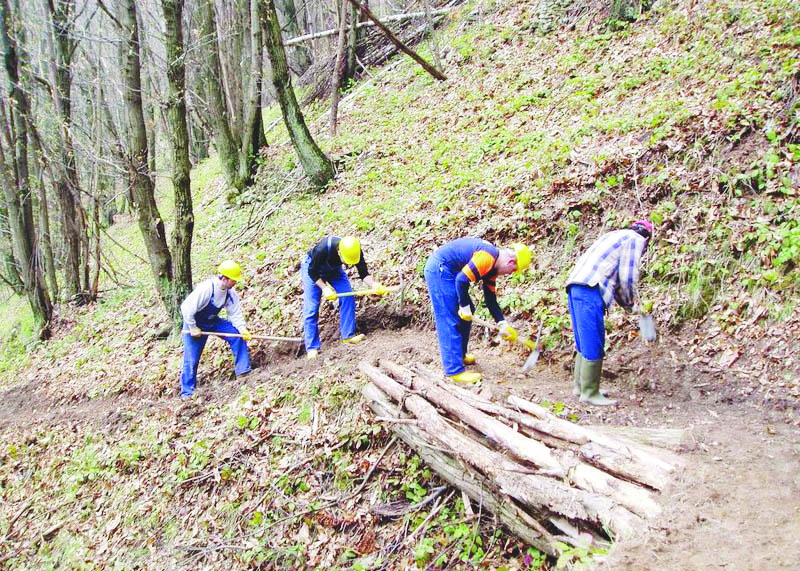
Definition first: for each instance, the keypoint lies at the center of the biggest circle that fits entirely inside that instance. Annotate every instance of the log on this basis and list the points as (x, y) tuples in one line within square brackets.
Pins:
[(605, 451), (531, 489), (586, 477), (391, 18), (519, 445), (460, 475)]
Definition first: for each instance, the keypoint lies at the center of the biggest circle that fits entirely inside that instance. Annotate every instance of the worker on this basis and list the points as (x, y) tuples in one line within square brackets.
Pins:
[(449, 272), (608, 271), (200, 312), (323, 276)]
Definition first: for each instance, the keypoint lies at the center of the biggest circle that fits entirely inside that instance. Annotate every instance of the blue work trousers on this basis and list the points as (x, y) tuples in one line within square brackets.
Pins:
[(587, 310), (193, 348), (453, 332), (312, 296)]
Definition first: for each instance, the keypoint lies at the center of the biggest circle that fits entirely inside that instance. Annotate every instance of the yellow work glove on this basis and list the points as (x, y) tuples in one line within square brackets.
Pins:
[(379, 288), (465, 313), (329, 293), (507, 332), (246, 335), (194, 331)]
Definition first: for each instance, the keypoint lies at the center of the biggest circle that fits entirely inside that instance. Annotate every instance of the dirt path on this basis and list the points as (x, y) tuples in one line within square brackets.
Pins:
[(736, 504)]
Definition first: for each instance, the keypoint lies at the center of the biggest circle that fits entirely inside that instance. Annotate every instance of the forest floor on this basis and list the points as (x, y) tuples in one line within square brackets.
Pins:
[(733, 505)]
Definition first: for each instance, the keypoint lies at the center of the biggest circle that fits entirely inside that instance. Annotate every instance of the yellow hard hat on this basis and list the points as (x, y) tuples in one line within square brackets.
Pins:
[(350, 250), (523, 255), (230, 270)]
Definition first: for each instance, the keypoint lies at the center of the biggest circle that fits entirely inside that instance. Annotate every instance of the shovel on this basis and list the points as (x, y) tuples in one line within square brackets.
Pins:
[(647, 327), (374, 291), (370, 291), (530, 362), (524, 341), (264, 337)]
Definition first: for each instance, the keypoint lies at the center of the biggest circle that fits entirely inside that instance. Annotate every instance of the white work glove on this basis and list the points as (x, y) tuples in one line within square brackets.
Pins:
[(329, 293), (507, 332), (465, 313), (194, 331)]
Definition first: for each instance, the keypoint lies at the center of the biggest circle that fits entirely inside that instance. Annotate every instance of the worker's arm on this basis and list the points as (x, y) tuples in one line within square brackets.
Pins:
[(195, 301), (626, 292), (234, 310), (480, 264), (490, 297)]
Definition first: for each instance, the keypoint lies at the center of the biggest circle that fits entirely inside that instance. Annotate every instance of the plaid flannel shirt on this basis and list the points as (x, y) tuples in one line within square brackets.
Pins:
[(612, 264)]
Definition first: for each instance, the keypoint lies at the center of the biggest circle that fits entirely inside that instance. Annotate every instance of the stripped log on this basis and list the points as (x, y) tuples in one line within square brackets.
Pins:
[(565, 482), (540, 492), (459, 475), (637, 499)]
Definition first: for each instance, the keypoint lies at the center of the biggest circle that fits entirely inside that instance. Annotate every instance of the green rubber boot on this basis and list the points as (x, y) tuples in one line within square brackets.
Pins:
[(590, 384), (576, 374)]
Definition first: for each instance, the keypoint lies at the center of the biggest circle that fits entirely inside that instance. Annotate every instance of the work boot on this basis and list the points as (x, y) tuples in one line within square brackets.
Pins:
[(576, 374), (312, 354), (590, 384), (469, 358), (466, 378), (355, 339)]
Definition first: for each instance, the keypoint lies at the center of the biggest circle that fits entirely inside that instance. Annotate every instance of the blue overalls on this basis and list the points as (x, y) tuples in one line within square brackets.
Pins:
[(312, 295), (208, 320), (453, 332)]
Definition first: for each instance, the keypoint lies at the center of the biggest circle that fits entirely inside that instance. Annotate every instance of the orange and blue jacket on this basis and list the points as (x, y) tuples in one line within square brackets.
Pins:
[(471, 260)]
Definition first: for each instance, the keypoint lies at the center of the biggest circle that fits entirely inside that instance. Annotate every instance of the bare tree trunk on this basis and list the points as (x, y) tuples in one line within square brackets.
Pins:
[(226, 141), (44, 229), (150, 223), (66, 183), (338, 68), (181, 167), (437, 61), (316, 165), (18, 201), (352, 44), (253, 137), (301, 57)]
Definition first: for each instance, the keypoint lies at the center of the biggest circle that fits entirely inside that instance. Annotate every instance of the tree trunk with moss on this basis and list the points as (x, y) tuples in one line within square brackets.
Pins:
[(142, 186), (225, 140), (67, 186), (181, 166), (18, 195), (316, 165)]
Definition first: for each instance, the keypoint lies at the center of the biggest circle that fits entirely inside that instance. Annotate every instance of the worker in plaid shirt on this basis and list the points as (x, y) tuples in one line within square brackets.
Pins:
[(608, 271)]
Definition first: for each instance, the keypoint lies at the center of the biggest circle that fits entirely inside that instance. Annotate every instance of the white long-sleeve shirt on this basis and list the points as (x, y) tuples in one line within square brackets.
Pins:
[(201, 297)]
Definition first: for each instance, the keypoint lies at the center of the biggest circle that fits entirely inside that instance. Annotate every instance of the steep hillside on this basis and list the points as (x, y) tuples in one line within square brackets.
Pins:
[(689, 117)]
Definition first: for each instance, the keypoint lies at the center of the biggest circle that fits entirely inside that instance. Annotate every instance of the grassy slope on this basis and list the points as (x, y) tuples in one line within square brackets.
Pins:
[(546, 140)]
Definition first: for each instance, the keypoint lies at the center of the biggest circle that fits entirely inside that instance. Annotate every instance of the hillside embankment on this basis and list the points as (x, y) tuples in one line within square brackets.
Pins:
[(688, 116)]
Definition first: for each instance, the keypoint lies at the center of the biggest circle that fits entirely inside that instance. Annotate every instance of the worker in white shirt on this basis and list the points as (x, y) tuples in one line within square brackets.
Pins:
[(201, 314)]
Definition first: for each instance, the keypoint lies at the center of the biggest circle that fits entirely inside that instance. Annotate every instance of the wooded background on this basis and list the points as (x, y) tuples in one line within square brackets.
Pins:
[(103, 101)]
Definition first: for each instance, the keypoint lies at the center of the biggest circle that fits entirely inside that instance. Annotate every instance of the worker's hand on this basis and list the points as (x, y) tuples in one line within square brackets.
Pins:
[(507, 332), (465, 313), (246, 335), (329, 293), (194, 331), (646, 306), (379, 288)]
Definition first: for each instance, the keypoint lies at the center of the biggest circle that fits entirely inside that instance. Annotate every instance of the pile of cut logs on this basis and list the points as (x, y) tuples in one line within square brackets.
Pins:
[(547, 479)]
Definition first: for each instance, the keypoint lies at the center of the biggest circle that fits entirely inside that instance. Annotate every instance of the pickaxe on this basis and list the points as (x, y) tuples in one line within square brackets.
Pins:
[(264, 337)]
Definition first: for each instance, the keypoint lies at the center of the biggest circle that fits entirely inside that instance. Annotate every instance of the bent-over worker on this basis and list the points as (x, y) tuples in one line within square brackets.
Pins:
[(608, 271), (323, 276), (200, 312), (449, 272)]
